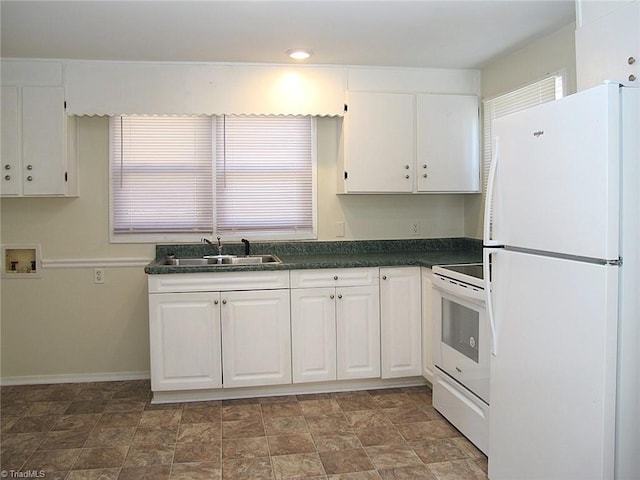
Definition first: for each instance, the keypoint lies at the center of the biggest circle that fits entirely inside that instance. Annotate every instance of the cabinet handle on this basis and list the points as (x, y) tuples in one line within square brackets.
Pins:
[(29, 178), (331, 296), (215, 302), (7, 177), (335, 277), (424, 166), (29, 167), (7, 167), (424, 175), (224, 302), (406, 167), (384, 277), (407, 176), (631, 60), (632, 78), (339, 295)]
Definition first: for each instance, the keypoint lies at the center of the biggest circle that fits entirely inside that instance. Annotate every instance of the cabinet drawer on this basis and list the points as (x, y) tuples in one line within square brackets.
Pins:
[(218, 281), (334, 277)]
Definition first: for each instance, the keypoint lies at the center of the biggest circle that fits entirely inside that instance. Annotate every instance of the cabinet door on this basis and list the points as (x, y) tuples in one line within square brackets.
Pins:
[(379, 148), (11, 175), (448, 145), (43, 141), (604, 46), (256, 338), (358, 332), (427, 325), (313, 332), (184, 331), (400, 319)]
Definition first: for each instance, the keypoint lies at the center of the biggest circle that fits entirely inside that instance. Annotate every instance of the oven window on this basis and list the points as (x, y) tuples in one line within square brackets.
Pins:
[(460, 328)]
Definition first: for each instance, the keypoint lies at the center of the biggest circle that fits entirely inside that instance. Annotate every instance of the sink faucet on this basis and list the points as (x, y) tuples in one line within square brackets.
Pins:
[(247, 247), (218, 247)]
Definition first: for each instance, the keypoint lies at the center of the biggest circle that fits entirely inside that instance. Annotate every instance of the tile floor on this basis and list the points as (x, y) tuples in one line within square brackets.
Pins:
[(109, 430)]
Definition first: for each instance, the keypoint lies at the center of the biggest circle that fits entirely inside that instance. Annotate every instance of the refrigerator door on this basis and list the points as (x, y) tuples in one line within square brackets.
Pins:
[(553, 376), (556, 185)]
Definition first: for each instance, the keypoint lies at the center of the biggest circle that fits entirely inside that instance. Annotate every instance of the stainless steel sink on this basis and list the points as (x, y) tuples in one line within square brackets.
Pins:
[(210, 260)]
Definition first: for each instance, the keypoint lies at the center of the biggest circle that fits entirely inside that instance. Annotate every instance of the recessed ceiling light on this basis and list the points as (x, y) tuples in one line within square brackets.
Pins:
[(299, 53)]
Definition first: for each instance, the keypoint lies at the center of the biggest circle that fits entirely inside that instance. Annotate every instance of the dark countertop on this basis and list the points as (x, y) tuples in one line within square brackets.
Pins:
[(346, 254)]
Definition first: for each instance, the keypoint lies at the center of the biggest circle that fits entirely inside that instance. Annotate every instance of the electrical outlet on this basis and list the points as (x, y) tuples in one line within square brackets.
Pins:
[(98, 275), (414, 228), (339, 229)]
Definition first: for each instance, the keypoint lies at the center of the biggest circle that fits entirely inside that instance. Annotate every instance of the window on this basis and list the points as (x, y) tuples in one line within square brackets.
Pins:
[(179, 178)]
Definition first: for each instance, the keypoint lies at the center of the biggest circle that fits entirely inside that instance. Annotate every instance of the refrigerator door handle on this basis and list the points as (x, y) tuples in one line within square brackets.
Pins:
[(488, 202), (486, 262)]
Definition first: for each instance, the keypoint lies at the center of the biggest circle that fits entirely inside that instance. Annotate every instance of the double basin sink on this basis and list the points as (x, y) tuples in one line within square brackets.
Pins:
[(210, 260)]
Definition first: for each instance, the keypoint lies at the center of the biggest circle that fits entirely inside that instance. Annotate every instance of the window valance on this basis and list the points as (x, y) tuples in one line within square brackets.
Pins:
[(117, 88)]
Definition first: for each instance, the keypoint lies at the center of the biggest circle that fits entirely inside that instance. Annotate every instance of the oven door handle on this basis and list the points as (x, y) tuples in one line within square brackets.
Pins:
[(486, 263)]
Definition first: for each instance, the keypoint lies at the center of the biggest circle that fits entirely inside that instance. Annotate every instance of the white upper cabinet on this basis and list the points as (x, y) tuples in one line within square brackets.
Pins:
[(607, 43), (448, 143), (38, 139), (380, 145), (410, 143)]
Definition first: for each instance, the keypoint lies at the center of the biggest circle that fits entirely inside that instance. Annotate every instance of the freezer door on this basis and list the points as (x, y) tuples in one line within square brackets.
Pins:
[(553, 375), (556, 186)]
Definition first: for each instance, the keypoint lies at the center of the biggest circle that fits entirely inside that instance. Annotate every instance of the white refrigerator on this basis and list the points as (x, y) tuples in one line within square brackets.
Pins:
[(562, 248)]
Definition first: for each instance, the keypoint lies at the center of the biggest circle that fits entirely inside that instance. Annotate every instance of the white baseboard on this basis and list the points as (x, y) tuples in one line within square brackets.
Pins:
[(74, 378), (290, 389)]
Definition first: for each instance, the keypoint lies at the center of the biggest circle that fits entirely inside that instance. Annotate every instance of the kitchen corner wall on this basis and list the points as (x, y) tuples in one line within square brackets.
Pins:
[(553, 53), (65, 327)]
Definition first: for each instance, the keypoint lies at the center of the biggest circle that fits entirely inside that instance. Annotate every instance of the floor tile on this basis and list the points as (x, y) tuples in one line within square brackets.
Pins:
[(247, 469), (110, 430), (345, 461), (250, 447), (197, 452), (304, 465), (196, 471), (107, 457), (291, 444)]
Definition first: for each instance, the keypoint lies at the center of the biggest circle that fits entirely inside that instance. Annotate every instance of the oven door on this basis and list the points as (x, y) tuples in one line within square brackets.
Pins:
[(462, 340)]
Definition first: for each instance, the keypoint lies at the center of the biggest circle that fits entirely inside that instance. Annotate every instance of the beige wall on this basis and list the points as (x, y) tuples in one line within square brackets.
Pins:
[(552, 53), (65, 326)]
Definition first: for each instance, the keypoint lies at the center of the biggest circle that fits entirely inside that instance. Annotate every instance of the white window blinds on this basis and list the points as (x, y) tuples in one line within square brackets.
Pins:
[(265, 181), (176, 178), (161, 173)]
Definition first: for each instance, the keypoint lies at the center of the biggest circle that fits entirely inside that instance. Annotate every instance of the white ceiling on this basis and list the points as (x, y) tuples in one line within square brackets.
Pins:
[(427, 33)]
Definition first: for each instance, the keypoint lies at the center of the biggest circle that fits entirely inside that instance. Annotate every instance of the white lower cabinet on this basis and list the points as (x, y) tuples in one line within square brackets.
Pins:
[(185, 341), (256, 341), (212, 339), (427, 325), (400, 317), (335, 329)]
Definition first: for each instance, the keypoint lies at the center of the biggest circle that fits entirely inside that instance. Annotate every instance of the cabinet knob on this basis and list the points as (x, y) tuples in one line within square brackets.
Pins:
[(424, 175), (224, 302), (29, 167), (7, 177), (632, 78), (407, 176), (215, 302), (384, 277), (331, 296), (339, 295), (406, 167), (631, 60), (335, 277), (29, 178), (7, 167), (424, 166)]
